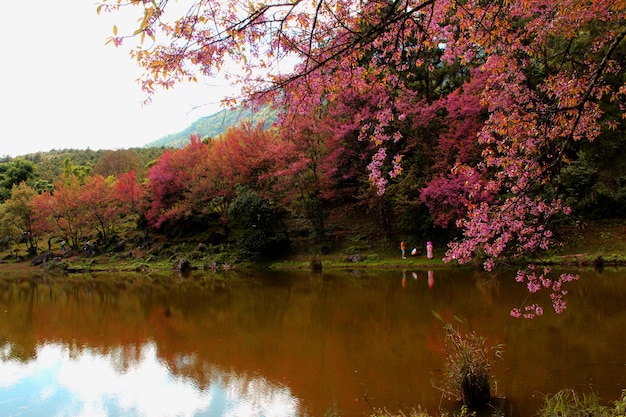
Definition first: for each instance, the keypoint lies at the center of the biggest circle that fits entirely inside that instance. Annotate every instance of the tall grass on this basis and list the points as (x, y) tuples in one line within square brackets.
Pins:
[(468, 366)]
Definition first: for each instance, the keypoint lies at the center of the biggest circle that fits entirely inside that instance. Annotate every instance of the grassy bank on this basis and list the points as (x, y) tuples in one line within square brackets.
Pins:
[(585, 245), (603, 242)]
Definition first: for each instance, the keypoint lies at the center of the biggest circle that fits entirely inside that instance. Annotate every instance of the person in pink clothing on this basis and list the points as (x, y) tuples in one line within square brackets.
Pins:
[(429, 250)]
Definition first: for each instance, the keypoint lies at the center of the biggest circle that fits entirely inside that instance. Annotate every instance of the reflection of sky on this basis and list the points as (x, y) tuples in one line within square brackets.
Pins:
[(60, 383)]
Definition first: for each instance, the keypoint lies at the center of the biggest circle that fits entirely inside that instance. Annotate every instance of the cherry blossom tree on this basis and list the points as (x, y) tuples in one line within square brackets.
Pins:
[(448, 197), (199, 181), (103, 208), (172, 180), (129, 192), (551, 71), (63, 210)]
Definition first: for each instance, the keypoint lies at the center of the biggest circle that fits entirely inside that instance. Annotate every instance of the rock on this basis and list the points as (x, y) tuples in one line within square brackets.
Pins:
[(183, 265), (42, 258), (599, 263), (357, 257)]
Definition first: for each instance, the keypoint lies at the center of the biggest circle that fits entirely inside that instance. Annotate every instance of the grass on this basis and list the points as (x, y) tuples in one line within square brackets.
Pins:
[(606, 239), (468, 366), (566, 403), (339, 261)]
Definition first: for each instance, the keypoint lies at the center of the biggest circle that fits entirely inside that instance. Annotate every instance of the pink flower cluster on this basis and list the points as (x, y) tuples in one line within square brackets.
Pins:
[(530, 311), (535, 283)]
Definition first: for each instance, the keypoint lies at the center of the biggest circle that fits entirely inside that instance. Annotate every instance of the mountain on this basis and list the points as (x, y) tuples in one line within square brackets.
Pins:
[(213, 125)]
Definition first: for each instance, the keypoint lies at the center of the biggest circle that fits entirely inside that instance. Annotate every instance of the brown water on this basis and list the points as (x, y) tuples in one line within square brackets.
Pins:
[(291, 343)]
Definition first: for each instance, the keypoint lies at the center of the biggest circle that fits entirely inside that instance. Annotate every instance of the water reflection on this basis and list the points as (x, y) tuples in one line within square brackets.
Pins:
[(59, 381), (416, 275), (292, 343)]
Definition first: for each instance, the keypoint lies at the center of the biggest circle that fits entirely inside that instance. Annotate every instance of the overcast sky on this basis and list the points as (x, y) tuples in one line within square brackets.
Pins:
[(62, 87)]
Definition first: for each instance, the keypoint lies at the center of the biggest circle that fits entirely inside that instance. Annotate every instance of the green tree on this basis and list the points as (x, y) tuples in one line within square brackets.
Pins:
[(14, 173), (18, 216), (78, 171), (258, 226)]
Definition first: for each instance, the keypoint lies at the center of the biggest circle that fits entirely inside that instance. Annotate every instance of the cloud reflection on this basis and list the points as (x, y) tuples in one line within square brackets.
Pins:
[(66, 382)]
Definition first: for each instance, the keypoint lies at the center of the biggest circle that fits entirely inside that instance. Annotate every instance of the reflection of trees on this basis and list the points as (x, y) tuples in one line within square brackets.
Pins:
[(123, 358), (12, 351), (17, 302), (488, 286), (318, 332)]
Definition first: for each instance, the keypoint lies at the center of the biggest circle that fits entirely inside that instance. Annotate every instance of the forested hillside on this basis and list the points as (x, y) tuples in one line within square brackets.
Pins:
[(213, 125), (50, 166)]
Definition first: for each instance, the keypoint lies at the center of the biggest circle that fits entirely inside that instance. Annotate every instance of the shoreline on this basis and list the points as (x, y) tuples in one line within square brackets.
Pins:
[(105, 263)]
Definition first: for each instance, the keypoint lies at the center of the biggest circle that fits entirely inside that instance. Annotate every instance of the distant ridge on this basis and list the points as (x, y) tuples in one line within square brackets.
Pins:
[(214, 125)]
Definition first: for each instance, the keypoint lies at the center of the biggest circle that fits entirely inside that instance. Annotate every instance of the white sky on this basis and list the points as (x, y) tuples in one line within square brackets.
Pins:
[(62, 87)]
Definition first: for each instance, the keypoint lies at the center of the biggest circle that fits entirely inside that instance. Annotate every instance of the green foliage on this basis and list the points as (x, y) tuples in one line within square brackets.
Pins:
[(594, 183), (17, 216), (566, 403), (79, 171), (62, 266), (220, 260), (50, 165), (259, 226), (576, 182), (15, 172), (42, 186)]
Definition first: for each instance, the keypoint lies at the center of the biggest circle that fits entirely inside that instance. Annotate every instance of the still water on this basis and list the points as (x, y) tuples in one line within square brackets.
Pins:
[(292, 344)]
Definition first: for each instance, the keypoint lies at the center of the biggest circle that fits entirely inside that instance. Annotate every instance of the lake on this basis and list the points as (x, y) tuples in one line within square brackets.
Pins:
[(292, 344)]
